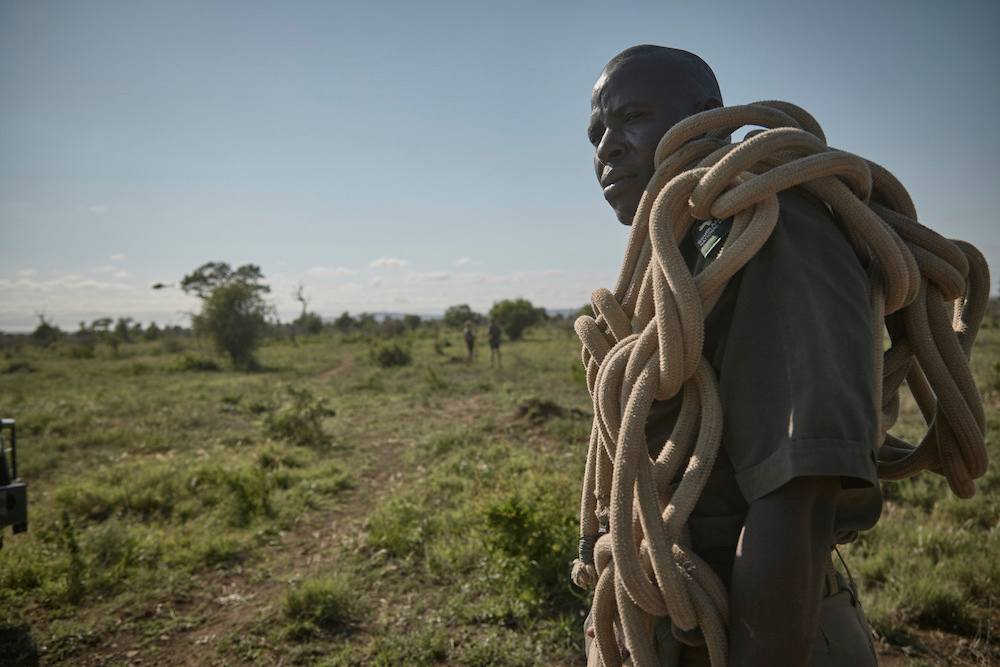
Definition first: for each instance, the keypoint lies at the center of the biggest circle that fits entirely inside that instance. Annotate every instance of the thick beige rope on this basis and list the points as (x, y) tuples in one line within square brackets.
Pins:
[(646, 344)]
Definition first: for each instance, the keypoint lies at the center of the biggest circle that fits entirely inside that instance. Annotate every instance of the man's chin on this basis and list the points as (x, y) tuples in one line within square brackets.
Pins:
[(625, 217)]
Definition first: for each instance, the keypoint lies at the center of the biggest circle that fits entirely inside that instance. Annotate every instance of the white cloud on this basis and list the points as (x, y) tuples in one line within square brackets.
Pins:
[(107, 268), (95, 208), (520, 276), (430, 276), (72, 282), (27, 273), (388, 262), (117, 257), (376, 281), (329, 271), (122, 275), (465, 261)]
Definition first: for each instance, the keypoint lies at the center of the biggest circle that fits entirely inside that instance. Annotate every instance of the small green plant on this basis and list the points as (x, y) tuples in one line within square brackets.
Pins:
[(433, 381), (299, 419), (75, 567), (321, 604), (530, 546)]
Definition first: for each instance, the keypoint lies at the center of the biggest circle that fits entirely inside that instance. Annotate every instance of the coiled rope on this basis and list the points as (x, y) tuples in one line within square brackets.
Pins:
[(646, 343)]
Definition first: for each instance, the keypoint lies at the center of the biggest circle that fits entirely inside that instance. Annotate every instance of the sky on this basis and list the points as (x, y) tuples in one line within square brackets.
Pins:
[(407, 157)]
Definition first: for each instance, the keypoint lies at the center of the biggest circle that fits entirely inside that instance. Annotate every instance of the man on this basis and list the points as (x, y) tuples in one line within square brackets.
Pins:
[(470, 341), (792, 347), (494, 340)]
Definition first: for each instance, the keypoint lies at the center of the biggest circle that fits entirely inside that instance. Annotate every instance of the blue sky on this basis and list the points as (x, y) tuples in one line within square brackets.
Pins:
[(405, 157)]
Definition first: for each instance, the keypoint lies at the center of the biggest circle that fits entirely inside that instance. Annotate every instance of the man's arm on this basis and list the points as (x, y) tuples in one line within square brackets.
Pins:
[(779, 573)]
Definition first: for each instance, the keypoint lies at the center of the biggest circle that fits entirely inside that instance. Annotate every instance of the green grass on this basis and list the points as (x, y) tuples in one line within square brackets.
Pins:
[(332, 510), (932, 562)]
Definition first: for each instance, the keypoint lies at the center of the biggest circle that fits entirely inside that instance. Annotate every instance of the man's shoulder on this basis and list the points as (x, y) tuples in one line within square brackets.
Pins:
[(807, 227)]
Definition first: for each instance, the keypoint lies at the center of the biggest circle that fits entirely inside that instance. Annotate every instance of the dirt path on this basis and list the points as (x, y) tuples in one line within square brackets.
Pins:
[(231, 603), (344, 365)]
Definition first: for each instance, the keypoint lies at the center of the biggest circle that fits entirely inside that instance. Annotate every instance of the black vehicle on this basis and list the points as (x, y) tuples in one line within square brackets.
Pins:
[(13, 492)]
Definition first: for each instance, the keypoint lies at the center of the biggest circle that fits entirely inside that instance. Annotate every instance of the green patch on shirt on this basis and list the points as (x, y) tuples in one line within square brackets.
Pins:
[(708, 233)]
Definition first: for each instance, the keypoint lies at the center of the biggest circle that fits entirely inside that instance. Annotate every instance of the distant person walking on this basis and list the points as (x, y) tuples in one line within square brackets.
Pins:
[(470, 341), (494, 339)]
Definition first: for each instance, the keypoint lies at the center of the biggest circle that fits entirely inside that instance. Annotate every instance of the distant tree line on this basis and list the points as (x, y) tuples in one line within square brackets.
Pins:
[(236, 317)]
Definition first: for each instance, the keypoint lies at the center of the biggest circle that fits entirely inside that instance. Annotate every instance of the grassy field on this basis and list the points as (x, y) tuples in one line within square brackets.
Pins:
[(326, 510)]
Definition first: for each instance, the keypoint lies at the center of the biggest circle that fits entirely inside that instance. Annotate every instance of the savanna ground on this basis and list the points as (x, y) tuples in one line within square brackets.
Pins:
[(326, 510)]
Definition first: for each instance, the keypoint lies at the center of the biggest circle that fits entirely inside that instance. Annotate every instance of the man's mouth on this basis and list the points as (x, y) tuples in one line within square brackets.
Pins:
[(616, 184)]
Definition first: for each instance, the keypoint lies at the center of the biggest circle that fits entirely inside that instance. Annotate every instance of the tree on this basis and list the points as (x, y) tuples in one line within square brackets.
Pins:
[(309, 323), (233, 310), (456, 316), (516, 316), (46, 333), (345, 323), (102, 324), (412, 322), (124, 328), (306, 322), (152, 332)]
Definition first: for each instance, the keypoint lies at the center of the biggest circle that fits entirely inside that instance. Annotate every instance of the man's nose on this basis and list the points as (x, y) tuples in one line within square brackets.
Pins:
[(611, 146)]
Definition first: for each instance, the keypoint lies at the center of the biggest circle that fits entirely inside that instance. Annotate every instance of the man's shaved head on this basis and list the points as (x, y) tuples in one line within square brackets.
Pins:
[(680, 64), (643, 92)]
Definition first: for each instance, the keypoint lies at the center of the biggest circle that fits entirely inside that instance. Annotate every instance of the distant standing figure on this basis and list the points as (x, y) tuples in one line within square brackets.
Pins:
[(470, 341), (494, 333)]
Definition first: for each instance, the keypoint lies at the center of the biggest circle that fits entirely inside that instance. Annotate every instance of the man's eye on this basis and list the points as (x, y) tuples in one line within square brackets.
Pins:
[(633, 116)]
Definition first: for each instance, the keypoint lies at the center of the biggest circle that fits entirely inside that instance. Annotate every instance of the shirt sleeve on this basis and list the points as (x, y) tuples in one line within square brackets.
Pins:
[(797, 376)]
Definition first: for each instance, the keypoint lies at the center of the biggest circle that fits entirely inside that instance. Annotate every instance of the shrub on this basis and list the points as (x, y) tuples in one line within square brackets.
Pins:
[(299, 419), (20, 367), (531, 546), (80, 352), (391, 354), (189, 362), (172, 345)]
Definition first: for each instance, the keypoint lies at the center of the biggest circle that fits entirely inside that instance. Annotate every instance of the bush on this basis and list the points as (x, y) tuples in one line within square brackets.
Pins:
[(80, 352), (299, 420), (189, 362), (20, 367), (389, 355), (531, 546)]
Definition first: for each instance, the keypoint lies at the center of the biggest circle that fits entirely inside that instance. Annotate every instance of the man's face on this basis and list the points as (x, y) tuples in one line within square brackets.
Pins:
[(632, 107)]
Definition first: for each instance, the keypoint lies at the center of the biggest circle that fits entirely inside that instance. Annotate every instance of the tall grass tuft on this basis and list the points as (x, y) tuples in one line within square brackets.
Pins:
[(322, 603)]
